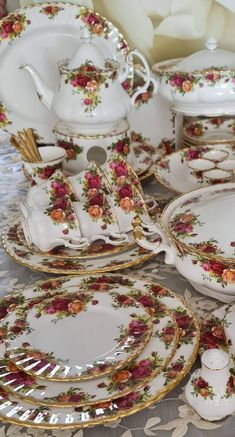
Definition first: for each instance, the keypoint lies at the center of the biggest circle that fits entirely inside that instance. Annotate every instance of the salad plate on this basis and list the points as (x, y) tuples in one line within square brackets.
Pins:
[(41, 35), (50, 346), (210, 130), (155, 356), (186, 169), (15, 410), (38, 261)]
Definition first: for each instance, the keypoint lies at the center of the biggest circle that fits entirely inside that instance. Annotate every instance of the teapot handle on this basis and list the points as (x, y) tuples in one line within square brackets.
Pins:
[(128, 71)]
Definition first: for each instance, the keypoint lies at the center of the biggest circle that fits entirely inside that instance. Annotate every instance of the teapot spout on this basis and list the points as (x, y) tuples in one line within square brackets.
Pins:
[(45, 94)]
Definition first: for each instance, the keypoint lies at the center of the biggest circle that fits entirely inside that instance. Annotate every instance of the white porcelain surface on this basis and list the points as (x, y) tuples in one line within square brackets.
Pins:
[(201, 84), (194, 240), (60, 329), (43, 43), (184, 170), (207, 390), (52, 158)]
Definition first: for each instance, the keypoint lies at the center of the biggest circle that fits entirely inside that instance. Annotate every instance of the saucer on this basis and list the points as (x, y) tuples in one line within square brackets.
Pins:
[(44, 263), (210, 131)]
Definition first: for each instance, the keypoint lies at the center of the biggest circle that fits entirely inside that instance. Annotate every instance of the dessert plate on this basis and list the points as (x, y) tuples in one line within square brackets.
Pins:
[(210, 131), (42, 35), (143, 159), (22, 412), (57, 338), (155, 356), (166, 147), (26, 256), (175, 171)]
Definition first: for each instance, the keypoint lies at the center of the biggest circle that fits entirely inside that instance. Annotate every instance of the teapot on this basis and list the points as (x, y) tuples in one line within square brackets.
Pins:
[(90, 92)]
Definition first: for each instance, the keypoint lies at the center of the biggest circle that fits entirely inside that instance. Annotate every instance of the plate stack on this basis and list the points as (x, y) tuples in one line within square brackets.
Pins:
[(76, 352), (208, 131)]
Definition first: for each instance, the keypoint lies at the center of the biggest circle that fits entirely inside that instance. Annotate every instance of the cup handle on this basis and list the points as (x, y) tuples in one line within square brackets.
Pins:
[(116, 240), (163, 246), (72, 244)]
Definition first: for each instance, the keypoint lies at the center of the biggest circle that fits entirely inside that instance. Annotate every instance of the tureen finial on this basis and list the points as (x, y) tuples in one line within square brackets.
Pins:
[(211, 43)]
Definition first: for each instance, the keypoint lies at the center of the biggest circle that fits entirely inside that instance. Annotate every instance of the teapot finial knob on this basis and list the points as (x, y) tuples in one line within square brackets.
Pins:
[(211, 43), (86, 36)]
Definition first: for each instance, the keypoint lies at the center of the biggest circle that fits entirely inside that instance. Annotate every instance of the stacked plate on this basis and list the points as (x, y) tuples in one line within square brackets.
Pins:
[(214, 130), (76, 352)]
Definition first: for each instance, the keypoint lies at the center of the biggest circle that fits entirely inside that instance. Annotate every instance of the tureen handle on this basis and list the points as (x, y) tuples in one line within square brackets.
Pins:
[(155, 247)]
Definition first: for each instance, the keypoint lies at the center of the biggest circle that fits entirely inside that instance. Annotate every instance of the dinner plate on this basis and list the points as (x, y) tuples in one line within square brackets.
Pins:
[(174, 173), (21, 412), (42, 35), (26, 256), (57, 338), (155, 356)]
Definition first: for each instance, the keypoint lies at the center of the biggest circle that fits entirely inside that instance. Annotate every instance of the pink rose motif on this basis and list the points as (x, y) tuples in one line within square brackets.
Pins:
[(177, 80), (87, 101), (216, 267), (97, 200), (127, 401), (61, 203), (182, 321), (137, 328), (80, 80), (91, 19), (94, 182), (120, 168), (61, 190), (146, 301), (125, 191), (2, 117), (7, 27), (192, 154)]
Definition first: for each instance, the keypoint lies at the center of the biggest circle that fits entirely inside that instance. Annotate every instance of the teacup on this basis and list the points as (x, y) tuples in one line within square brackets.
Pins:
[(89, 182), (98, 220), (55, 226), (52, 158), (119, 170), (58, 185)]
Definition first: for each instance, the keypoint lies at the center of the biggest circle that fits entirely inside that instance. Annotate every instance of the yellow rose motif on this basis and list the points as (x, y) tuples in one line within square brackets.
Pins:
[(76, 306), (229, 276), (187, 86)]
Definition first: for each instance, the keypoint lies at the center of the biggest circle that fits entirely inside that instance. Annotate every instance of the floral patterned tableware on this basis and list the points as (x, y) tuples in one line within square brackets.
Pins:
[(210, 131), (52, 158), (194, 240), (211, 389), (165, 147), (201, 84), (81, 148), (19, 411), (31, 258), (89, 182), (183, 171), (20, 106), (48, 216), (125, 198), (90, 91), (217, 175), (56, 341), (98, 220), (151, 361)]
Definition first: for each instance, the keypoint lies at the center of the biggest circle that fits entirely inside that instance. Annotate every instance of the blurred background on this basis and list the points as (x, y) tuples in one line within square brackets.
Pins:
[(164, 29)]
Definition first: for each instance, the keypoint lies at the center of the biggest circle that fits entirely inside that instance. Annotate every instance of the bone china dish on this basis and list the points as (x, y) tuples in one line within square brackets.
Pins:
[(202, 83), (198, 238)]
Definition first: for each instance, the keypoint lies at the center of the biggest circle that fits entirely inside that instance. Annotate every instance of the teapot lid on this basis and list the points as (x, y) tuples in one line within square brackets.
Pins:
[(209, 58), (85, 51)]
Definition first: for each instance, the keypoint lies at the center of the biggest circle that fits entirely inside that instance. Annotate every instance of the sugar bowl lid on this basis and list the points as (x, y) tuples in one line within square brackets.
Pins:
[(203, 221), (209, 58)]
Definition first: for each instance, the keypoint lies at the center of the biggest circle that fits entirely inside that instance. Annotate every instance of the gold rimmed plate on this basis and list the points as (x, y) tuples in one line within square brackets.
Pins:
[(22, 412)]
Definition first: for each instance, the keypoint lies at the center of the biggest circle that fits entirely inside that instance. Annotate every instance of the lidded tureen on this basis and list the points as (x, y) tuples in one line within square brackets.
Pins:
[(90, 93), (198, 237), (203, 83)]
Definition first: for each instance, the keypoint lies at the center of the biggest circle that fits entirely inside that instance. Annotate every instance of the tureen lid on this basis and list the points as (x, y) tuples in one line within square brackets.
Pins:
[(209, 58), (204, 221)]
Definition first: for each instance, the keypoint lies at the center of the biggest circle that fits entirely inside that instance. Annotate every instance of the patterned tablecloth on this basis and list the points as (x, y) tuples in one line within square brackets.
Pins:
[(172, 416)]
